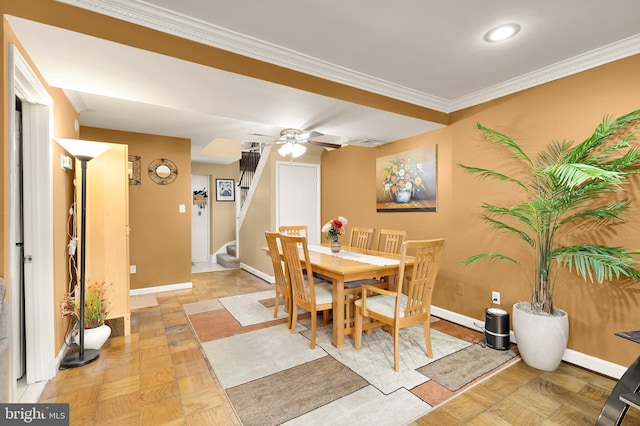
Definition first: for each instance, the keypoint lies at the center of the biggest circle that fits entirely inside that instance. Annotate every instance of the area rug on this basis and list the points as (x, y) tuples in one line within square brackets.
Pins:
[(272, 377), (452, 371), (142, 301)]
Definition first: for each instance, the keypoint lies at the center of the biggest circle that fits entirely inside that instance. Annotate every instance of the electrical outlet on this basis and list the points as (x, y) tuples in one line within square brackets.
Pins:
[(495, 297), (460, 289), (132, 269)]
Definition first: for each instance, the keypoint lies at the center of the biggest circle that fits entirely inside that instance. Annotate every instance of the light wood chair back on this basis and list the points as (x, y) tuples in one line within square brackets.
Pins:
[(294, 230), (399, 308), (361, 237), (281, 284), (307, 294), (390, 240)]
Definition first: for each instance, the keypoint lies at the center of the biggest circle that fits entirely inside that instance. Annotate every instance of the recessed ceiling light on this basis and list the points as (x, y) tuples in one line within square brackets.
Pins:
[(501, 33)]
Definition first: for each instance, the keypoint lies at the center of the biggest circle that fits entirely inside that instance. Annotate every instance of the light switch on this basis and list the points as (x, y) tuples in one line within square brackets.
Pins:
[(182, 208)]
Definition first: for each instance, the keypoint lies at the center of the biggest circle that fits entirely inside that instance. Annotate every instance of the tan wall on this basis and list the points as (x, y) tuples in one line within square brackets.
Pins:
[(160, 237), (222, 228), (566, 109)]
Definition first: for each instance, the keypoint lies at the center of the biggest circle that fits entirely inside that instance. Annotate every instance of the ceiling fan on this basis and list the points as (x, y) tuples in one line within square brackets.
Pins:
[(293, 140)]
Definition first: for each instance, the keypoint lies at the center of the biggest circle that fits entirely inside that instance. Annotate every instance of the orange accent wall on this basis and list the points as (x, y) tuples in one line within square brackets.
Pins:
[(160, 236), (569, 108)]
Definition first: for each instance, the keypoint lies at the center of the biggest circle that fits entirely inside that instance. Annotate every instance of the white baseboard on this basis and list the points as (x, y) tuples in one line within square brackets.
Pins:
[(573, 357), (257, 273), (160, 288)]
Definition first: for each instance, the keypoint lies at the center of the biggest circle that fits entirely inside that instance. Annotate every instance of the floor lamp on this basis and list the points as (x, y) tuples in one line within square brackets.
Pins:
[(84, 152)]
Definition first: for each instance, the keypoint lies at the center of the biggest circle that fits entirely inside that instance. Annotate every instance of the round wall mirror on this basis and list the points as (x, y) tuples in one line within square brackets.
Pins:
[(163, 171)]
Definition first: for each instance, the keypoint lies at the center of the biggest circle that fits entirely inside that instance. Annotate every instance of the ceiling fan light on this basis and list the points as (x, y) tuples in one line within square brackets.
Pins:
[(297, 150), (285, 149)]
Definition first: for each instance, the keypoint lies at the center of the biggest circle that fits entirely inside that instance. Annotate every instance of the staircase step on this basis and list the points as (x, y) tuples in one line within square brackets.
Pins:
[(227, 260), (231, 249)]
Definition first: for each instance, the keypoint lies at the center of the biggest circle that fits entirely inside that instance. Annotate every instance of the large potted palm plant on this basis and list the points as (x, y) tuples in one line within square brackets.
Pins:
[(562, 188)]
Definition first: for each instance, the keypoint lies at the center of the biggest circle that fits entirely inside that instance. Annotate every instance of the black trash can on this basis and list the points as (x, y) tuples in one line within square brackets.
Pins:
[(496, 329)]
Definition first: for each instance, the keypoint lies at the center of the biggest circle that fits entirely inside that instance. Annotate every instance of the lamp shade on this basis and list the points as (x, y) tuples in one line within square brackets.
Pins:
[(295, 149), (285, 149), (83, 150), (298, 150)]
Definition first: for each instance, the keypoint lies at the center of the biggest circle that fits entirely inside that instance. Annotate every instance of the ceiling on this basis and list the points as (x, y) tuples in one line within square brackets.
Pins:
[(427, 53)]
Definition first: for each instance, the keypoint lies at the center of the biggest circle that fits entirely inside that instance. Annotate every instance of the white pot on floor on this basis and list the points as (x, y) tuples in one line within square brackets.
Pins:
[(94, 338), (541, 338)]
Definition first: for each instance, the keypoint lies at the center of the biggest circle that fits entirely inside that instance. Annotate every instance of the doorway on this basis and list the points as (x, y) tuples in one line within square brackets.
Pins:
[(30, 207), (303, 180), (16, 230), (200, 219)]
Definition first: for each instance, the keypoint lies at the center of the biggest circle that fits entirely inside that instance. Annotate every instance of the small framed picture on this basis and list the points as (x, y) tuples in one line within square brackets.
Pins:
[(225, 190), (134, 169)]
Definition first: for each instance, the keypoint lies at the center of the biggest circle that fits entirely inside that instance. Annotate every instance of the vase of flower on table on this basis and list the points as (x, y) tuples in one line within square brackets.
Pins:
[(333, 230)]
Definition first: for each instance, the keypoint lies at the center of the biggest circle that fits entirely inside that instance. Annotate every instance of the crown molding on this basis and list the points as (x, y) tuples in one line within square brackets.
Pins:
[(610, 53), (164, 20), (77, 102), (161, 19)]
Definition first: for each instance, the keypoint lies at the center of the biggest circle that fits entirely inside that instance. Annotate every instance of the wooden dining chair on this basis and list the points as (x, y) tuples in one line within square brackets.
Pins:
[(281, 284), (307, 294), (361, 238), (294, 230), (390, 240), (398, 309)]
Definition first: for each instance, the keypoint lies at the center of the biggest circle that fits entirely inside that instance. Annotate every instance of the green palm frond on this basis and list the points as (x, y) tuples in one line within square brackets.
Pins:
[(611, 212), (577, 174), (496, 224), (507, 142), (598, 262), (490, 256), (486, 173), (605, 131)]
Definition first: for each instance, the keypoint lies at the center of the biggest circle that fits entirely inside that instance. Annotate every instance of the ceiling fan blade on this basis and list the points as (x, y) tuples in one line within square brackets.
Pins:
[(261, 135), (324, 144), (311, 134)]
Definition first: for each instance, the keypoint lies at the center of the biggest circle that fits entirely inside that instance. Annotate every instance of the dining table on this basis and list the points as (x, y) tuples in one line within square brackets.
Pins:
[(349, 264)]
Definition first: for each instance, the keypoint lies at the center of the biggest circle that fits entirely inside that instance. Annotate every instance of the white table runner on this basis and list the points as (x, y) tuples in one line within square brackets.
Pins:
[(358, 257)]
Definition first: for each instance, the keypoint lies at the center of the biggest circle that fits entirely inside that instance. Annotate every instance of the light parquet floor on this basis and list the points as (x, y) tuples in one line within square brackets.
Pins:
[(159, 376)]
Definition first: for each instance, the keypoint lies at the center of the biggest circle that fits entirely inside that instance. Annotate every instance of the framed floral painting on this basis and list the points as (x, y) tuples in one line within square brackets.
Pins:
[(407, 181)]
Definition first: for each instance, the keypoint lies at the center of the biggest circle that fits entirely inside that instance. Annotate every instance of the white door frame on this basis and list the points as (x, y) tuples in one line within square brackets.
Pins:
[(37, 116)]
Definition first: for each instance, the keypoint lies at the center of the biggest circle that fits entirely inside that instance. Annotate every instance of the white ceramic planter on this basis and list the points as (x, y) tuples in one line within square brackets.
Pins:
[(541, 339), (94, 338)]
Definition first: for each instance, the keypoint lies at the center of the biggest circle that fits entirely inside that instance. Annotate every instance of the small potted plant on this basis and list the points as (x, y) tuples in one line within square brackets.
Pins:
[(333, 230), (96, 310), (563, 188)]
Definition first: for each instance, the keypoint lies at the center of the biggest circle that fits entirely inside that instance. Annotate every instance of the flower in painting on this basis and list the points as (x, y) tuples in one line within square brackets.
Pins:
[(335, 228), (402, 174)]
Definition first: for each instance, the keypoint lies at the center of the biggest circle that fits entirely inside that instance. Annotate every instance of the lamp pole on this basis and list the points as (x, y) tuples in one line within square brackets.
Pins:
[(81, 357)]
